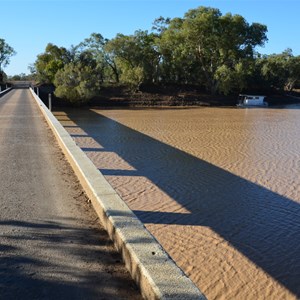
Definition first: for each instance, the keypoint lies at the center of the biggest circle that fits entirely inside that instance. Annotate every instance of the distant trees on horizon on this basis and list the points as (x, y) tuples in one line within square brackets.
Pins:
[(204, 48)]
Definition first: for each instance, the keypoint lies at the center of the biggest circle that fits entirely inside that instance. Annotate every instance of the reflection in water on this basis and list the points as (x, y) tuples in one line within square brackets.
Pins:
[(219, 189)]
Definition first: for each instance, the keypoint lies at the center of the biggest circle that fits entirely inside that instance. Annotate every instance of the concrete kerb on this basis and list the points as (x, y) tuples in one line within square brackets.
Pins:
[(156, 274)]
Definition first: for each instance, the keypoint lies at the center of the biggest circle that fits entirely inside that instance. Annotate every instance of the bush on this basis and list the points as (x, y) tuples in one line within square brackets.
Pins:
[(76, 83)]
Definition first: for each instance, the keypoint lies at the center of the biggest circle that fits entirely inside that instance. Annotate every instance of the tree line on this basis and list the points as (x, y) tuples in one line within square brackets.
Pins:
[(204, 48)]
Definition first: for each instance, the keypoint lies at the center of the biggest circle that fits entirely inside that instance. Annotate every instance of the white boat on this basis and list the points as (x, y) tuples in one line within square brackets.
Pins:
[(251, 101)]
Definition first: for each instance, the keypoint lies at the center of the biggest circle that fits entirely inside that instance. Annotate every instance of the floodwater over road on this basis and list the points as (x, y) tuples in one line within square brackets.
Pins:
[(218, 187)]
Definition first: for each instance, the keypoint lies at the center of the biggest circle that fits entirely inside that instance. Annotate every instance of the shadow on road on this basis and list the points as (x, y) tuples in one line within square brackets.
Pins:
[(37, 262)]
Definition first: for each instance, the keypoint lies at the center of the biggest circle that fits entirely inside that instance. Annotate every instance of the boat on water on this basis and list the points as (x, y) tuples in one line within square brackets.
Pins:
[(251, 101)]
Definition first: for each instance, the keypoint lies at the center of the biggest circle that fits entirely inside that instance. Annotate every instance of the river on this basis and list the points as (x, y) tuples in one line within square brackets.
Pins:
[(219, 188)]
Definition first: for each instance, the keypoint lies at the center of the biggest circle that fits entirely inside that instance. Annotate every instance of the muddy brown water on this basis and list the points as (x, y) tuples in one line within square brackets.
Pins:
[(219, 188)]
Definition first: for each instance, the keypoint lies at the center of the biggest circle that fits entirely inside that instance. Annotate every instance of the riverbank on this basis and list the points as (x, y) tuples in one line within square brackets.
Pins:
[(170, 96), (160, 96)]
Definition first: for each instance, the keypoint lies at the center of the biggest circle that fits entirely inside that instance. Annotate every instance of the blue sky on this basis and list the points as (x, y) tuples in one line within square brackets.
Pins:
[(28, 25)]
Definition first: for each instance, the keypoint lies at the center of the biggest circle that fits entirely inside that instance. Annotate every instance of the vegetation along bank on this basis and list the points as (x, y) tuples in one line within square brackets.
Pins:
[(206, 57)]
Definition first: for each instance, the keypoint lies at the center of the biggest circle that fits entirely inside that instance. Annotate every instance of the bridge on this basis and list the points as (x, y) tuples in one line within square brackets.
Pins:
[(50, 245), (22, 84), (49, 248)]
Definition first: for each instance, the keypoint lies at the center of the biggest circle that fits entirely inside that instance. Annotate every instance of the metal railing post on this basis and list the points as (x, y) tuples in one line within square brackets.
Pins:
[(50, 101)]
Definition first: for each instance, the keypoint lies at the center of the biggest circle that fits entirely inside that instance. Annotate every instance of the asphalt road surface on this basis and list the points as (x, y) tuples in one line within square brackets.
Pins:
[(51, 243)]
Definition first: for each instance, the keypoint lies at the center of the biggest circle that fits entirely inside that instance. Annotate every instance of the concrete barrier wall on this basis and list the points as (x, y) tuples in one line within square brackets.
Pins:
[(149, 265)]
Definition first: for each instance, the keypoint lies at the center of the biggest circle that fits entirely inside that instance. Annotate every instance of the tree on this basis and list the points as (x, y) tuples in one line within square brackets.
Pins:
[(135, 54), (96, 46), (77, 83), (160, 24), (91, 52), (48, 63), (119, 54), (177, 64), (6, 52), (3, 77), (134, 77), (217, 43), (282, 71), (22, 77)]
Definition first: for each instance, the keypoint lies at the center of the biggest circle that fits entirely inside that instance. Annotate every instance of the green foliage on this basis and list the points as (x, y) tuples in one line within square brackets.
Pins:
[(21, 77), (48, 63), (216, 43), (282, 71), (91, 52), (6, 52), (204, 48), (177, 64), (77, 83), (133, 77), (135, 54)]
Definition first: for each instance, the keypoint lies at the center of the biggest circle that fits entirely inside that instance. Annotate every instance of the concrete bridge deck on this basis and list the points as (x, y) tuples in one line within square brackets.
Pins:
[(51, 244)]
